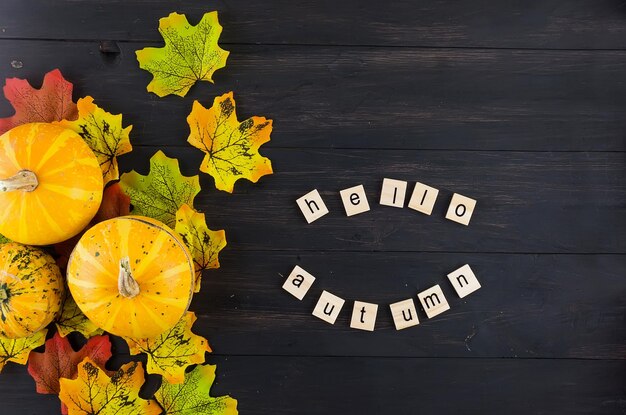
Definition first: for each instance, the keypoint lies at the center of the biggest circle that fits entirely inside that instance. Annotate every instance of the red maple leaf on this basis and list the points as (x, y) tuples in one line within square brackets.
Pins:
[(59, 360), (52, 102), (114, 203)]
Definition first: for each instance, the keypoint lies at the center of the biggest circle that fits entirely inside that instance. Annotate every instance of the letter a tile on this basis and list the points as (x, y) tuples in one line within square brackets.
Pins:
[(298, 282)]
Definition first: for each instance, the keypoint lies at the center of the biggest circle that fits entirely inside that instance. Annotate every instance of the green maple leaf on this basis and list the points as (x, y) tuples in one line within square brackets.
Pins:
[(190, 54), (72, 319), (192, 396), (162, 192), (170, 353)]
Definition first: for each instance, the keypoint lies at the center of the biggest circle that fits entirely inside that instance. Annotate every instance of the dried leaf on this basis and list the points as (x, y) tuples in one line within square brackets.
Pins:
[(190, 54), (171, 352), (52, 102), (17, 350), (59, 360), (93, 392), (72, 319), (162, 192), (104, 134), (231, 147), (192, 397), (203, 243), (114, 203)]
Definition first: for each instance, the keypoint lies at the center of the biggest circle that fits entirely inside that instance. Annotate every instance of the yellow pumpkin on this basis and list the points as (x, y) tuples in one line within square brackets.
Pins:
[(31, 290), (132, 276), (50, 184)]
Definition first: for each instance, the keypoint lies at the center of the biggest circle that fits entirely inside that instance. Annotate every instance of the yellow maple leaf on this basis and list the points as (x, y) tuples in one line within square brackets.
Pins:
[(72, 319), (231, 147), (170, 353), (18, 350), (104, 134), (190, 54), (203, 243), (94, 392)]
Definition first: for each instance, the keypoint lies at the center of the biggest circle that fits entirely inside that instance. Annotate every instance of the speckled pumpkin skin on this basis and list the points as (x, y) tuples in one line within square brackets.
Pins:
[(70, 184), (160, 263), (34, 290)]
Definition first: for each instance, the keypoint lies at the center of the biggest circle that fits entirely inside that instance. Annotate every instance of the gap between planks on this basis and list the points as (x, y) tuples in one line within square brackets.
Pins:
[(318, 45)]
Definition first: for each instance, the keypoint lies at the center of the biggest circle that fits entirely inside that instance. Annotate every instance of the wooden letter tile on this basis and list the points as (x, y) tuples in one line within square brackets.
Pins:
[(464, 281), (423, 198), (393, 193), (298, 282), (433, 301), (461, 209), (354, 200), (312, 206), (328, 307), (404, 314), (364, 316)]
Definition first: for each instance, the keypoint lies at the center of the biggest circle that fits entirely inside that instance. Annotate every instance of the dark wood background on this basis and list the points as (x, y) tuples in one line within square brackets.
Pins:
[(521, 105)]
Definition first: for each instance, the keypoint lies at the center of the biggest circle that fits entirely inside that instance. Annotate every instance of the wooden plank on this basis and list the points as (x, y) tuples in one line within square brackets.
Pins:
[(531, 24), (529, 202), (323, 385), (322, 97), (533, 306)]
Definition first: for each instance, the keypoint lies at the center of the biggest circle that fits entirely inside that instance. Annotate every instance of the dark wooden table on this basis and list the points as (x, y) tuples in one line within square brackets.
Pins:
[(521, 105)]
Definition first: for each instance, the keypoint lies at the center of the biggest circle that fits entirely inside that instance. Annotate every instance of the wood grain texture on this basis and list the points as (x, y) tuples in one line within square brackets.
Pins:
[(352, 385), (530, 24), (535, 306), (519, 105), (527, 202), (339, 97)]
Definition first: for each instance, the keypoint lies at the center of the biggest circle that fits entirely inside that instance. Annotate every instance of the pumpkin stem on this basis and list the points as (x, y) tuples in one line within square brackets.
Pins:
[(24, 180), (126, 284)]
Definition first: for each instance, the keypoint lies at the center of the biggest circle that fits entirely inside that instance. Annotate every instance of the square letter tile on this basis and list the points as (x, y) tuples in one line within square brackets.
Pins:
[(328, 307), (433, 301), (461, 209), (404, 314), (393, 193), (364, 316), (464, 281), (312, 206), (354, 200), (298, 282), (423, 198)]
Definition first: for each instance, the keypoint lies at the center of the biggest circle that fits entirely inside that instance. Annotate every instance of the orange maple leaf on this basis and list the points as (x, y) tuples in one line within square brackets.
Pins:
[(231, 147)]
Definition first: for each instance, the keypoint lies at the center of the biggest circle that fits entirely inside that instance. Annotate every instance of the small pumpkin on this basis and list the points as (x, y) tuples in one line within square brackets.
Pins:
[(50, 184), (132, 276), (31, 290)]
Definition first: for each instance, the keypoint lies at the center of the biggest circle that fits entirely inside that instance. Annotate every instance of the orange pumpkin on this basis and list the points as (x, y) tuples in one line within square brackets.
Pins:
[(31, 290), (50, 184), (132, 276)]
